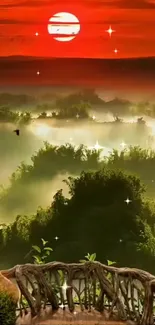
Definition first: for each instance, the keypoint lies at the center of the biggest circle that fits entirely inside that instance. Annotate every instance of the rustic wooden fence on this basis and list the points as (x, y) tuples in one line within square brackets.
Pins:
[(127, 293)]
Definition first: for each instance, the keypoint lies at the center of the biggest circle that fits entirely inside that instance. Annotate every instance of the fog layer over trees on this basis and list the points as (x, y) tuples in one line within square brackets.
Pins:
[(78, 134)]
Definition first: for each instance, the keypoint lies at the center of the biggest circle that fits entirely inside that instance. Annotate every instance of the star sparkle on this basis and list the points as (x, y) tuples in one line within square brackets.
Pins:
[(127, 201), (62, 306), (56, 238), (38, 73), (123, 145), (97, 146), (110, 31), (65, 286), (115, 51), (37, 34)]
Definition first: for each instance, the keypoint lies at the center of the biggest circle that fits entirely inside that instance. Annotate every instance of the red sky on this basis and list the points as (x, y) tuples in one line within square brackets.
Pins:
[(132, 20)]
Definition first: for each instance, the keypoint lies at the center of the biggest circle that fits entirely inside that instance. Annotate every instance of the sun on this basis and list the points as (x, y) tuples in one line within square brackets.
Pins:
[(63, 26)]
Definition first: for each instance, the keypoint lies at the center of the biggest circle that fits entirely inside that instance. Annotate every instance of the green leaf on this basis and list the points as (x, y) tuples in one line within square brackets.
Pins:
[(90, 257), (37, 259), (82, 261), (44, 241), (36, 248), (93, 257), (48, 249), (61, 274), (44, 257), (110, 262), (47, 253), (76, 299)]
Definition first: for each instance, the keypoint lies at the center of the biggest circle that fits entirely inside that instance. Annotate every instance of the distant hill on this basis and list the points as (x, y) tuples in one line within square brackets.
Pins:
[(23, 57)]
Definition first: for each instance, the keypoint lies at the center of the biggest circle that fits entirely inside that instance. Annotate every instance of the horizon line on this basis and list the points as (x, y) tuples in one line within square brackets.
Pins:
[(75, 58)]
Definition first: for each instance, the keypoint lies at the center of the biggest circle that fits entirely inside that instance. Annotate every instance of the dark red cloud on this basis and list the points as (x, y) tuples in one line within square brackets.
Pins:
[(132, 20), (128, 4), (128, 74), (139, 4)]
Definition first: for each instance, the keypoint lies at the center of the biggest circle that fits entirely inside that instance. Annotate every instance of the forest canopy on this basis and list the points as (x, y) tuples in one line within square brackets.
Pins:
[(94, 208), (51, 161), (61, 102)]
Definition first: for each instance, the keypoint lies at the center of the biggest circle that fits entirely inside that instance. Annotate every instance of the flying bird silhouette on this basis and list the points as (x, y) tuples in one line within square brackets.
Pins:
[(17, 131)]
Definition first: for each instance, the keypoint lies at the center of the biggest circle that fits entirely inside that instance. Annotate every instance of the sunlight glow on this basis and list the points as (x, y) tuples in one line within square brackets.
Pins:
[(97, 146), (151, 124), (123, 145), (41, 130)]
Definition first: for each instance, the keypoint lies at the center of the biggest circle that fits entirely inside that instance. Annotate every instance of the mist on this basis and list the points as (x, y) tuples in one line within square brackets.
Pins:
[(14, 150)]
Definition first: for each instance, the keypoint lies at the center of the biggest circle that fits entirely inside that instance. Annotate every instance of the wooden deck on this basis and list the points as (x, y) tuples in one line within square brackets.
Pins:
[(64, 317)]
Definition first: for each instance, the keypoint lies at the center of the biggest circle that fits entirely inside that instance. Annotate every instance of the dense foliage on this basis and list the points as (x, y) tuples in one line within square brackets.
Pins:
[(54, 160), (60, 106), (95, 216), (6, 115), (7, 310)]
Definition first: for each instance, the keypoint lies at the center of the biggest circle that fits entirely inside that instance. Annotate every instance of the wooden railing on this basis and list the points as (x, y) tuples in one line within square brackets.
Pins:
[(127, 293)]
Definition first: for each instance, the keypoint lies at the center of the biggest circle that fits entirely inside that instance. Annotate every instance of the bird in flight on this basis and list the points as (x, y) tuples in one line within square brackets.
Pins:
[(17, 131)]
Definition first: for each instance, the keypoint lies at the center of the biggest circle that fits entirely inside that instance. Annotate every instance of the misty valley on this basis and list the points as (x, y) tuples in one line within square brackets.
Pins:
[(62, 136), (104, 132)]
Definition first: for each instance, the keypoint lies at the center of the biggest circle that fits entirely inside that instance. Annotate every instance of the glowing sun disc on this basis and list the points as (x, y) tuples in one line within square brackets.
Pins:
[(64, 26)]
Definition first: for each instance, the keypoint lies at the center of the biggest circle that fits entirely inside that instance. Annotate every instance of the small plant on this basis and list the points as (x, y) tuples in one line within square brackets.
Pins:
[(110, 263), (40, 258), (92, 258), (7, 309), (89, 257), (43, 253), (24, 302)]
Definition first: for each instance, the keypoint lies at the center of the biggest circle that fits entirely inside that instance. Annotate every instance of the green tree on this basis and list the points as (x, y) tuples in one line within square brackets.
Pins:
[(42, 115), (25, 118), (97, 209)]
